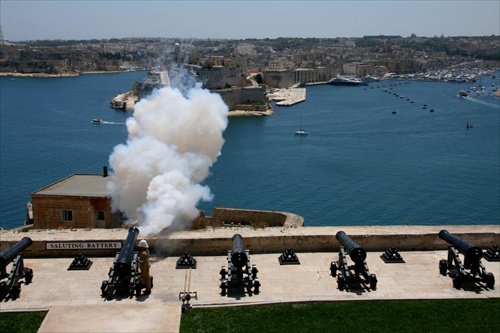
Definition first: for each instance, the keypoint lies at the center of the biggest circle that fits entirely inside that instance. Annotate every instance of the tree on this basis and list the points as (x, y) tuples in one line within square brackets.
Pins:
[(259, 79)]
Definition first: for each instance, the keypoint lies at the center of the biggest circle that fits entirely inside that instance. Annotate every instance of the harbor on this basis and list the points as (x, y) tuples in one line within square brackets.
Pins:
[(357, 153)]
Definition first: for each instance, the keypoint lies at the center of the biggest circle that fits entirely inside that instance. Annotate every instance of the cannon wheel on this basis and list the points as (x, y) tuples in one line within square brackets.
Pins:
[(109, 293), (373, 282), (443, 266), (138, 290), (489, 279), (256, 286), (457, 281), (223, 288), (28, 275), (104, 285), (333, 268), (15, 291), (341, 282)]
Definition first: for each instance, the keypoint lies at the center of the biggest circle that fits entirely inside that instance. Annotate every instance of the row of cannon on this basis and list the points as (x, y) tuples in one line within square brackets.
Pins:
[(240, 276)]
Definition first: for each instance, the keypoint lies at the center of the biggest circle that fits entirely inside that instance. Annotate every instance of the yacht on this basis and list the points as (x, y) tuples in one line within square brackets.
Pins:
[(345, 81)]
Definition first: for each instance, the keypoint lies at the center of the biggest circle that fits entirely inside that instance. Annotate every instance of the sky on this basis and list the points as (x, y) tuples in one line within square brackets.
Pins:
[(23, 20)]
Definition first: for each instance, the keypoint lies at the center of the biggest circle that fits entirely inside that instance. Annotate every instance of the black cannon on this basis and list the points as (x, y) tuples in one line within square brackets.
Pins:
[(124, 277), (358, 255), (472, 269), (240, 274), (12, 286)]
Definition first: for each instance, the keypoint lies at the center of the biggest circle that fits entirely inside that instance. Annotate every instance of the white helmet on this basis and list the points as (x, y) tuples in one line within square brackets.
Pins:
[(143, 244)]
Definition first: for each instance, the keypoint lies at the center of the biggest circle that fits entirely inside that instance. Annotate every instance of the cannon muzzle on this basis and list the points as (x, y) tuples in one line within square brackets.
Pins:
[(471, 253), (356, 252), (239, 256), (124, 261), (10, 253)]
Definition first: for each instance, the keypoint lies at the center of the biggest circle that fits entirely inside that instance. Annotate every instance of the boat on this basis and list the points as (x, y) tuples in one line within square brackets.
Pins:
[(344, 81), (300, 131), (368, 78), (97, 121), (462, 93)]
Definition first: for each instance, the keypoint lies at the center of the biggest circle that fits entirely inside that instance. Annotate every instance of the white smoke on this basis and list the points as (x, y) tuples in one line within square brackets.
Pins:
[(173, 140)]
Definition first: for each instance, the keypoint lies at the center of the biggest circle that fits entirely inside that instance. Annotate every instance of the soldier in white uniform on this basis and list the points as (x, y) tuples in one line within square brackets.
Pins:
[(144, 266)]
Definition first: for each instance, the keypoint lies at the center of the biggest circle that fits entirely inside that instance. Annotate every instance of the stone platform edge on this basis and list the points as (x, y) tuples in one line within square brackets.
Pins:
[(217, 241)]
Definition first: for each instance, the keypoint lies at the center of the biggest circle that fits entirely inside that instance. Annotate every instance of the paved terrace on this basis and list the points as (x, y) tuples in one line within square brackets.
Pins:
[(76, 305)]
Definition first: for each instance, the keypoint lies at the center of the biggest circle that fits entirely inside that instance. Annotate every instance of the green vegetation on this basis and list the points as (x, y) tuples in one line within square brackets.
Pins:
[(24, 322), (359, 316), (259, 79), (479, 315)]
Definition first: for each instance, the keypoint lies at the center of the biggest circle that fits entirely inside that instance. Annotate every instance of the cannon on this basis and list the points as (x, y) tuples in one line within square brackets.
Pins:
[(12, 286), (354, 273), (472, 269), (124, 277), (240, 275)]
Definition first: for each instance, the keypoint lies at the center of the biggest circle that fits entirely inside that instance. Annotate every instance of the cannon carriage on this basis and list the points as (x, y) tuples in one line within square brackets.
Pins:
[(351, 274), (240, 275), (12, 285), (124, 277), (472, 269)]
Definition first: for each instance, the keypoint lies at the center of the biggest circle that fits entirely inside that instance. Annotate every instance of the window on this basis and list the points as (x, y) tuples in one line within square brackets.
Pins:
[(101, 215), (67, 215)]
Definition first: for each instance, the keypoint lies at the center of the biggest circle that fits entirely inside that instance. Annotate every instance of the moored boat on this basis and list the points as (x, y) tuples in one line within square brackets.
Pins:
[(367, 79), (344, 81)]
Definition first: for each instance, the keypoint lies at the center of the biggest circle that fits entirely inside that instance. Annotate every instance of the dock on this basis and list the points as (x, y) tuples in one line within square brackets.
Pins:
[(288, 96)]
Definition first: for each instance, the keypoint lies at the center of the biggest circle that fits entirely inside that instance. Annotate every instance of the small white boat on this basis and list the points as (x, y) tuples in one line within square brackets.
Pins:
[(301, 131), (97, 121)]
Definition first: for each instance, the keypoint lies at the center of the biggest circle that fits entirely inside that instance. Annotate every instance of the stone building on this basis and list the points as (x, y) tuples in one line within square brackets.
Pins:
[(77, 201), (279, 79), (312, 75), (244, 99)]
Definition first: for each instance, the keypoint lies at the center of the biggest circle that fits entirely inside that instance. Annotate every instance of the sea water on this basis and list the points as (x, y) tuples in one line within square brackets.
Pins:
[(371, 157)]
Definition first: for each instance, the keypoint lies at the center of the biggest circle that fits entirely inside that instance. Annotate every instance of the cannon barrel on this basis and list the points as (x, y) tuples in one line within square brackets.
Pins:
[(124, 261), (10, 253), (356, 252), (472, 253), (239, 256)]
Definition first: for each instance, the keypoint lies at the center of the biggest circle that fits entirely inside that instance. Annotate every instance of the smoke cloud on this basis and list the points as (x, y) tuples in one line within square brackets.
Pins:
[(174, 138)]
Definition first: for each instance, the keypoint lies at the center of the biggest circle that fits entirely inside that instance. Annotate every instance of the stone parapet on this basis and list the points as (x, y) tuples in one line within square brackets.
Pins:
[(217, 241)]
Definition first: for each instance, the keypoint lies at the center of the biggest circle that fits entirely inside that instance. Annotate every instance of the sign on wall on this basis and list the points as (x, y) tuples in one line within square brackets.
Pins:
[(83, 245)]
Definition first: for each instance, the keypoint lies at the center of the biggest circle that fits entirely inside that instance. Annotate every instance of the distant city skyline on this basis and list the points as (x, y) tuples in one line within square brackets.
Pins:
[(232, 19)]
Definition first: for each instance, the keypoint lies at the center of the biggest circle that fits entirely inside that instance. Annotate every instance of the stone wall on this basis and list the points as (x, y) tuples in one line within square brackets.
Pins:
[(279, 79), (218, 77), (247, 96), (255, 218), (47, 212), (217, 241)]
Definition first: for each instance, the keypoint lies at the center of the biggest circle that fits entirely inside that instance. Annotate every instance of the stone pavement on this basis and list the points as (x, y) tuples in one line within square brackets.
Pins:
[(76, 305)]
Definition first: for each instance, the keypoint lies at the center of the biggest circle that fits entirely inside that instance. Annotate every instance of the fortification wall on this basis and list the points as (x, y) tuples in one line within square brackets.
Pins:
[(217, 241)]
